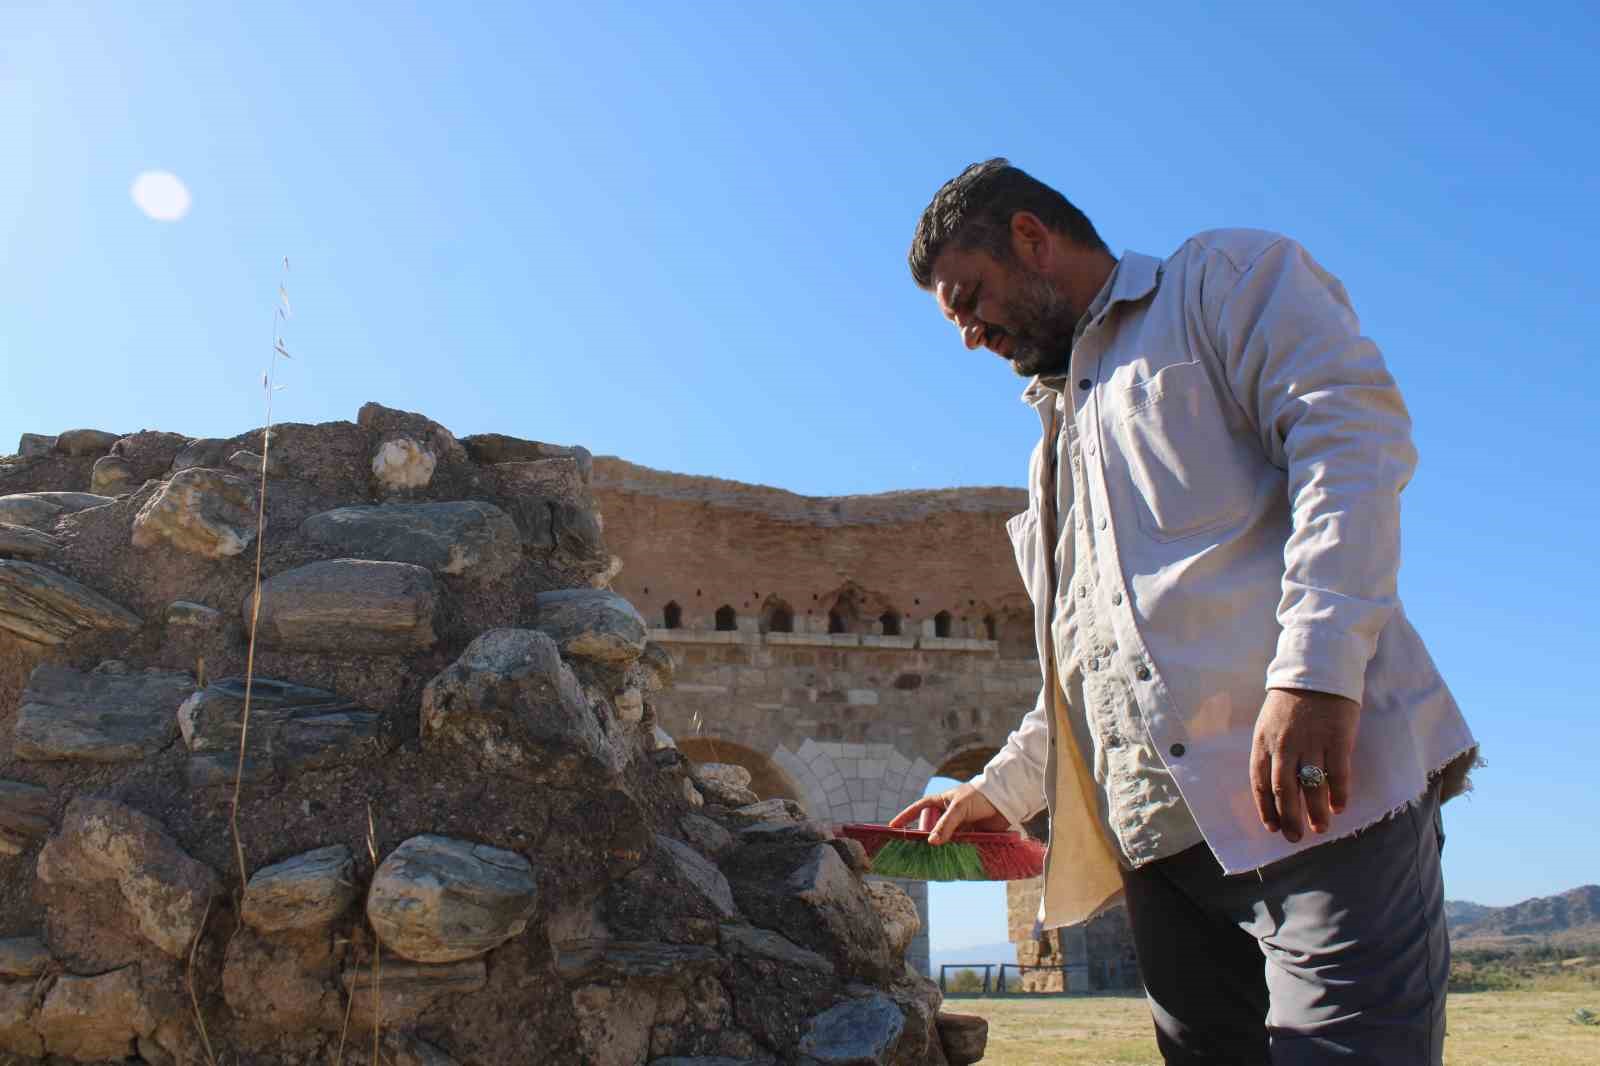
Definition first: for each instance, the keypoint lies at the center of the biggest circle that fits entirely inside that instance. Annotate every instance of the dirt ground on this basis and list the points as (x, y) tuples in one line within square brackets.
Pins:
[(1528, 1027)]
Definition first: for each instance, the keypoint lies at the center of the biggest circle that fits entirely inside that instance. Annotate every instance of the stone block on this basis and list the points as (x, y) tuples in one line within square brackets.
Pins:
[(511, 703), (964, 1037), (700, 874), (897, 912), (631, 960), (860, 1032), (164, 891), (613, 1024), (305, 891), (23, 956), (21, 542), (199, 511), (24, 815), (37, 508), (746, 941), (94, 1018), (293, 729), (33, 445), (437, 899), (103, 717), (402, 464), (591, 624), (112, 475), (85, 442), (463, 537), (407, 989), (712, 839), (347, 606), (490, 448)]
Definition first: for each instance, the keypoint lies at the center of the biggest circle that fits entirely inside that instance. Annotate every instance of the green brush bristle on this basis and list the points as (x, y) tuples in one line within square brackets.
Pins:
[(917, 861)]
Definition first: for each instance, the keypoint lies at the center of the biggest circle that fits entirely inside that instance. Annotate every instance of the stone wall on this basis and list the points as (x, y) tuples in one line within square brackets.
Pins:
[(460, 830)]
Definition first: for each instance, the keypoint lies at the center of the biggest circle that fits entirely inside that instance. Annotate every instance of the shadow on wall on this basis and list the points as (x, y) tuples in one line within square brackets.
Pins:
[(766, 779)]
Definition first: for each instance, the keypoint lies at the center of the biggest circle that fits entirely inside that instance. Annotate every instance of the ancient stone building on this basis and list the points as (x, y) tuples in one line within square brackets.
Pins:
[(844, 650)]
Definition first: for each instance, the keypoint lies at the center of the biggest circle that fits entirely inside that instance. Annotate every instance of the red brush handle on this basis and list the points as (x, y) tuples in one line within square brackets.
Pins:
[(930, 818)]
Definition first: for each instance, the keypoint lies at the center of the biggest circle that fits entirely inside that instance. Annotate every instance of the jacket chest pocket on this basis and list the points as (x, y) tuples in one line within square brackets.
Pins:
[(1190, 472)]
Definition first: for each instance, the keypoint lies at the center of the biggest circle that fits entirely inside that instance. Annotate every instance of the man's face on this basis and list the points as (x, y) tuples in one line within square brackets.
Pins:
[(1013, 311)]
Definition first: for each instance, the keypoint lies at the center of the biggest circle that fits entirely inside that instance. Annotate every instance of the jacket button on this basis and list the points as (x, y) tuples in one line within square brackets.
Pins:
[(1177, 751), (1116, 598), (1085, 383), (1142, 673)]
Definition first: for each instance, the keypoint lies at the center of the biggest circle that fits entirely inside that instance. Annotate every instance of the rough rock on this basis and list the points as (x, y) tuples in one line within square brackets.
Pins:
[(772, 810), (629, 705), (150, 454), (691, 795), (489, 448), (199, 511), (899, 914), (634, 960), (293, 729), (655, 667), (194, 615), (98, 717), (406, 989), (36, 508), (163, 890), (708, 836), (94, 1018), (808, 894), (85, 442), (461, 537), (23, 956), (436, 899), (861, 1032), (343, 606), (701, 874), (853, 852), (802, 832), (282, 982), (17, 1033), (403, 463), (727, 774), (20, 542), (746, 941), (250, 463), (965, 1037), (710, 1060), (301, 892), (33, 445), (205, 452), (24, 815), (591, 624), (613, 1024), (48, 607), (518, 709), (112, 476), (398, 1049)]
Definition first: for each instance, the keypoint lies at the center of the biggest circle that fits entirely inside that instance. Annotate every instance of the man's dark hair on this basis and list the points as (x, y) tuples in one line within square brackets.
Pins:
[(974, 209)]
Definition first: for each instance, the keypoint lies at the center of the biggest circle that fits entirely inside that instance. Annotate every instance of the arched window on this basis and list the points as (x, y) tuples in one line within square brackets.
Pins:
[(726, 618), (941, 624), (890, 620), (672, 616), (781, 620), (836, 622), (989, 628)]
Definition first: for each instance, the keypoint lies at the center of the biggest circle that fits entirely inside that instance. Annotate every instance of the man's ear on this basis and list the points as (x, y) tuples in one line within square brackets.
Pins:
[(1030, 240)]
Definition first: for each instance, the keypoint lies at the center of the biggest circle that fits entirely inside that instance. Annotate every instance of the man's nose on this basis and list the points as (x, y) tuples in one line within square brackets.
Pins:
[(972, 329)]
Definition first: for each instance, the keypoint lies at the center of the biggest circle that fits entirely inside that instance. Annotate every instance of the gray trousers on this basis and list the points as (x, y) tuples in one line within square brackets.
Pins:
[(1336, 955)]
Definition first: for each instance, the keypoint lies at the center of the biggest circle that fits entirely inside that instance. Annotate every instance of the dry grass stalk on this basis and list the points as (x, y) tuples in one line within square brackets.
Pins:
[(377, 945), (279, 314), (194, 998)]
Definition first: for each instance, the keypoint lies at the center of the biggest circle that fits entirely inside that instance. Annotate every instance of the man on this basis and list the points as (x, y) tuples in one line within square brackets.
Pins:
[(1239, 731)]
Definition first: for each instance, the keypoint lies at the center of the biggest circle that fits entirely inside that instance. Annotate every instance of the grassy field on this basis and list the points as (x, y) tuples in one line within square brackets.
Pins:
[(1529, 1026)]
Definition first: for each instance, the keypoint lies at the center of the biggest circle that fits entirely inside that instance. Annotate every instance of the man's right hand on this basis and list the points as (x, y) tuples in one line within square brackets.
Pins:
[(962, 807)]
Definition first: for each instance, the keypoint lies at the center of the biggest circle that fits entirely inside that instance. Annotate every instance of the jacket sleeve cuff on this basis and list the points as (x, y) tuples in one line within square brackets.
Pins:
[(1017, 799), (1321, 660)]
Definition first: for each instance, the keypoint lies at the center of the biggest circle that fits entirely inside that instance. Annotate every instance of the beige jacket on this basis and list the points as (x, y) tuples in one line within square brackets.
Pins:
[(1243, 449)]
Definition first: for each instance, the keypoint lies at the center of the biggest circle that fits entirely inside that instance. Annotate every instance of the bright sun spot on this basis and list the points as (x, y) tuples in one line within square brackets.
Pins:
[(161, 195)]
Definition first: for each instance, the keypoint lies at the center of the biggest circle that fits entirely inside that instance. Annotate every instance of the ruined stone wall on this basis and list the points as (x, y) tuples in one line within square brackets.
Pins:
[(929, 665), (459, 827)]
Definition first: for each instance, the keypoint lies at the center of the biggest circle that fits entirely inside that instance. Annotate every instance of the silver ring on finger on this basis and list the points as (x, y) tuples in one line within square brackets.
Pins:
[(1312, 777)]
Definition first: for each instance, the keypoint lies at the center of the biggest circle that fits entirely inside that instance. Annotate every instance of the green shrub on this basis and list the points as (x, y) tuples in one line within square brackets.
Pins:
[(964, 981)]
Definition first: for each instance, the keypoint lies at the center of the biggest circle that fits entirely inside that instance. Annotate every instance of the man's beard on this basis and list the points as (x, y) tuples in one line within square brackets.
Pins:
[(1045, 322)]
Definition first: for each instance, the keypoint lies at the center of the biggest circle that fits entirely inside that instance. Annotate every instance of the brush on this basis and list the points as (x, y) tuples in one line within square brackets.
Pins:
[(969, 856)]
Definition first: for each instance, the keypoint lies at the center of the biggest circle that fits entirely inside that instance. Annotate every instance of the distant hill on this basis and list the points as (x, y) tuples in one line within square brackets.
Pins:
[(1571, 917), (996, 953)]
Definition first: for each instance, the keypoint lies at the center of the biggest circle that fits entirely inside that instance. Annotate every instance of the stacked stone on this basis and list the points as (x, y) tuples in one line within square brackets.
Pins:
[(458, 822)]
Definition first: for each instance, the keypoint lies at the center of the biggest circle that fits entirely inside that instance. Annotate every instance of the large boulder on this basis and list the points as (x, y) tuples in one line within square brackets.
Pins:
[(199, 511), (436, 899), (48, 607), (491, 448), (293, 729), (109, 715), (859, 1032), (20, 542), (897, 912), (85, 442), (33, 445), (345, 606), (516, 708), (94, 1018), (164, 892), (462, 537), (699, 873), (112, 476)]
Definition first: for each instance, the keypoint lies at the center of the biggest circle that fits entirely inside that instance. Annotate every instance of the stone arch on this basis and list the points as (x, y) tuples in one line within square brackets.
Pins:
[(845, 609), (767, 779), (890, 621), (777, 616), (991, 627), (966, 758), (727, 618), (942, 623), (672, 616)]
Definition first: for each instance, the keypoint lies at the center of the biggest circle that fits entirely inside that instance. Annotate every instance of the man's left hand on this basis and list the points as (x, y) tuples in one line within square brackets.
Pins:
[(1298, 728)]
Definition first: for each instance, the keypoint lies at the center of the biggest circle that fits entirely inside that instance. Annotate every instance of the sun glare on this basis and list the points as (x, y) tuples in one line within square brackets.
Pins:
[(161, 195)]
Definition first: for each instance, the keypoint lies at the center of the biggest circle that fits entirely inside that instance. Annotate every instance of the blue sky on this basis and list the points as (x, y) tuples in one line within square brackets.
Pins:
[(677, 233)]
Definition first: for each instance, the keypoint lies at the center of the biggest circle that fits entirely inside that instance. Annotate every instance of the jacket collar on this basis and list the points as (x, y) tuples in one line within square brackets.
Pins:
[(1134, 278)]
